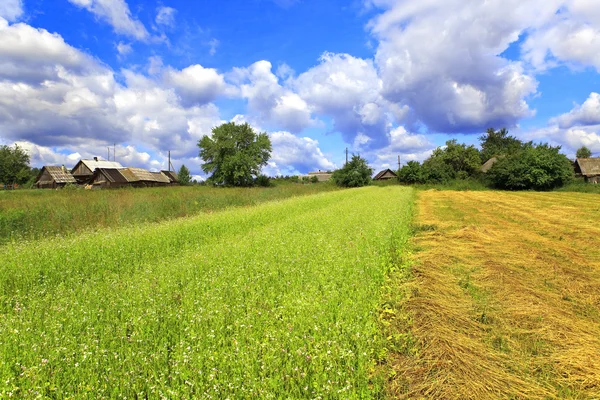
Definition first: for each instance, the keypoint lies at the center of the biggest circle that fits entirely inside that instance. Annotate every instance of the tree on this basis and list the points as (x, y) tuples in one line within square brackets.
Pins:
[(412, 172), (355, 173), (235, 154), (14, 165), (540, 167), (183, 176), (583, 152), (497, 143)]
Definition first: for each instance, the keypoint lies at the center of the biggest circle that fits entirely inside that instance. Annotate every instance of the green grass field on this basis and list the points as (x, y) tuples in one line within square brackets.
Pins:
[(279, 300), (34, 214)]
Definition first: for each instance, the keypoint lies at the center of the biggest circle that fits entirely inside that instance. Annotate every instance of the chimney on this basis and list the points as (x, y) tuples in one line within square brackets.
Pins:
[(64, 170), (95, 158)]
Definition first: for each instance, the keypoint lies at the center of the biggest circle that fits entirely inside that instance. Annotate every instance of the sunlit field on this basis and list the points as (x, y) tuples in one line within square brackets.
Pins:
[(505, 300), (278, 300), (42, 213)]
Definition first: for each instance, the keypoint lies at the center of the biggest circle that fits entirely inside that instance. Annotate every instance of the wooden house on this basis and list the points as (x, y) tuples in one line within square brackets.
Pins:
[(385, 175), (488, 164), (54, 177), (84, 169), (172, 175), (141, 177), (589, 168), (108, 178)]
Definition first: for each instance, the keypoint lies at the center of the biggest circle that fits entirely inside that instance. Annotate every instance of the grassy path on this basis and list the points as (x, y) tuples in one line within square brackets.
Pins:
[(508, 299), (275, 301)]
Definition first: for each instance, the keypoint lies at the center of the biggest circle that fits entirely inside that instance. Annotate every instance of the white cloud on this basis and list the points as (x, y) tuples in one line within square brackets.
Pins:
[(165, 16), (586, 114), (196, 84), (571, 36), (124, 48), (213, 44), (11, 9), (293, 155), (268, 100), (441, 59), (569, 139), (117, 14)]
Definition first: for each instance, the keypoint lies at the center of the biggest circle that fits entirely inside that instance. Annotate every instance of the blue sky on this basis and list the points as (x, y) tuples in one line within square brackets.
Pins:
[(381, 77)]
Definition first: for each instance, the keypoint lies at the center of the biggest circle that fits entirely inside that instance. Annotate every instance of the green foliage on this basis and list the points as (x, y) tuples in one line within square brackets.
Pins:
[(184, 177), (235, 154), (355, 173), (314, 179), (263, 181), (411, 173), (540, 167), (497, 143), (266, 302), (583, 152), (14, 165)]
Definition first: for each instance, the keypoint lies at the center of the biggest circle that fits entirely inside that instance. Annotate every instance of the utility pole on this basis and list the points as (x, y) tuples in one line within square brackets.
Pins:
[(107, 153), (114, 152), (169, 160), (346, 155), (398, 161)]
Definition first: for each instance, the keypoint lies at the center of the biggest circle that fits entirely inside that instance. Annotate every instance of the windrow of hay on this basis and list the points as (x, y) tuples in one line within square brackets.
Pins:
[(508, 301)]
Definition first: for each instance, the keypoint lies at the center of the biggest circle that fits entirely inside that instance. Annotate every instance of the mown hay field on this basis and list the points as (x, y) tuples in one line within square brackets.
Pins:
[(279, 300), (505, 298)]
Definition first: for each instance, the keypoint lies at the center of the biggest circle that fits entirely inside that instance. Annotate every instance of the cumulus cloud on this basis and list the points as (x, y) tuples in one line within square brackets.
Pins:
[(571, 35), (124, 48), (570, 139), (442, 59), (295, 155), (348, 89), (11, 9), (165, 16), (196, 84), (586, 114), (117, 14), (270, 101)]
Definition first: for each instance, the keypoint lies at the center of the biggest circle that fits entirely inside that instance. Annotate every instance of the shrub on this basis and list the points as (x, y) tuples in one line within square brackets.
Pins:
[(355, 173), (539, 167), (314, 179), (411, 173), (263, 181)]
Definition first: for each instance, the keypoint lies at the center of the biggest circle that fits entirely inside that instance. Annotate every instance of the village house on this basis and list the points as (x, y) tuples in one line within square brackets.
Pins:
[(385, 175), (54, 177), (84, 169), (589, 168), (322, 176)]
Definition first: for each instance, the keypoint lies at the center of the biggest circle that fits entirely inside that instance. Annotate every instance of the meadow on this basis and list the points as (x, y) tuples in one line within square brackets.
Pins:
[(504, 299), (31, 214), (279, 300)]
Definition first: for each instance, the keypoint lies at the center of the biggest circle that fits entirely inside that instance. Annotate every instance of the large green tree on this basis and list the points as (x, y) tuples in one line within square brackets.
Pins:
[(14, 165), (183, 176), (497, 143), (234, 154), (355, 173), (583, 152)]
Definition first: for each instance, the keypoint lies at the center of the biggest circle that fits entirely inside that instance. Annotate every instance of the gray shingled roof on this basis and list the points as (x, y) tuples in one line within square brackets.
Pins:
[(589, 166)]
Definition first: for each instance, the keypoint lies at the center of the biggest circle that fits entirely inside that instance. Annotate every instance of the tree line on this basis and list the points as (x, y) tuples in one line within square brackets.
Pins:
[(516, 165)]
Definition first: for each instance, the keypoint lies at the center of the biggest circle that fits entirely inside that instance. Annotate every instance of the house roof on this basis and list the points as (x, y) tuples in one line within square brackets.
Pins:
[(589, 166), (172, 175), (93, 164), (112, 174), (140, 174), (488, 164), (58, 174), (382, 173)]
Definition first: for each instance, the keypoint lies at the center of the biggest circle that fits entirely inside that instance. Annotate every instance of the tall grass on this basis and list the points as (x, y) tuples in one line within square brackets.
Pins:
[(40, 213), (274, 301)]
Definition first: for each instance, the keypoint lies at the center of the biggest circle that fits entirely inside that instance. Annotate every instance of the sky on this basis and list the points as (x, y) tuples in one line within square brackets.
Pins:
[(383, 78)]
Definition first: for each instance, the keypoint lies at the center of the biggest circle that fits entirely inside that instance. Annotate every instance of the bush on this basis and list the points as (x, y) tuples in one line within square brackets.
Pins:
[(539, 167), (355, 173), (411, 173), (314, 179), (263, 181)]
